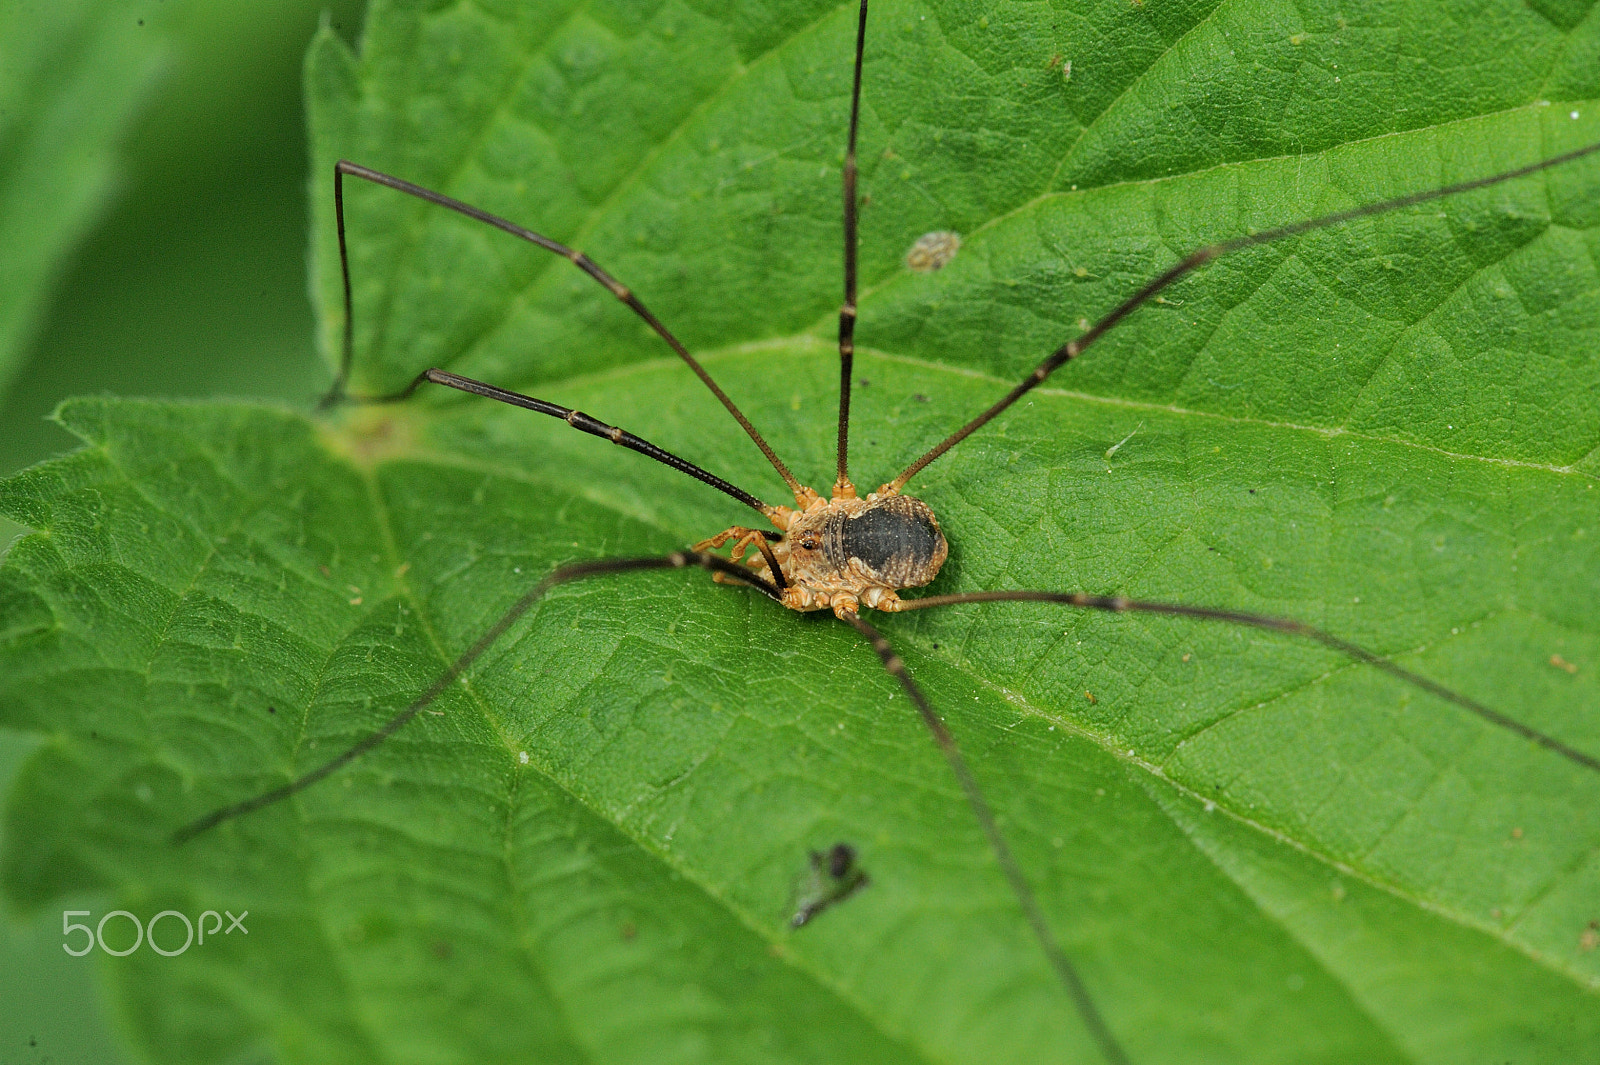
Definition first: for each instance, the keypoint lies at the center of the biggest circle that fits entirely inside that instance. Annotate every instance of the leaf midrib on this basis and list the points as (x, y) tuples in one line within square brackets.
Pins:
[(385, 526)]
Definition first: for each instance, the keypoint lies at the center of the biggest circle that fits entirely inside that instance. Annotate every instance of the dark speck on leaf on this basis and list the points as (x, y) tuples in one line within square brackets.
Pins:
[(272, 709), (863, 382), (1252, 491), (833, 877), (919, 397)]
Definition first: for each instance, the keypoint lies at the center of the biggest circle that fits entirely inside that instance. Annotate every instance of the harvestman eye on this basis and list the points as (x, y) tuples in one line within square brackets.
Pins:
[(847, 551)]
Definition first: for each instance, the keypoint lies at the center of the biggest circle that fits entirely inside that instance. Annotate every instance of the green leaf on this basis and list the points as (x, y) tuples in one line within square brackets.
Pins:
[(72, 74), (1253, 849)]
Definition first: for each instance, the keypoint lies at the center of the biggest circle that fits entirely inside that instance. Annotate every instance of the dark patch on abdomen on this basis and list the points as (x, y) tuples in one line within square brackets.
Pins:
[(897, 539)]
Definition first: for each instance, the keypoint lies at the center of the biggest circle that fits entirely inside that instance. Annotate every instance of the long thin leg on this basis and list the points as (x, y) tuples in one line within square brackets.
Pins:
[(576, 571), (847, 312), (337, 391), (779, 581), (580, 421), (1195, 259), (1118, 604), (1087, 1010)]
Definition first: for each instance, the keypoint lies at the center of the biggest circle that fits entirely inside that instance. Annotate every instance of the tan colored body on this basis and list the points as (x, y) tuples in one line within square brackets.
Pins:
[(844, 553)]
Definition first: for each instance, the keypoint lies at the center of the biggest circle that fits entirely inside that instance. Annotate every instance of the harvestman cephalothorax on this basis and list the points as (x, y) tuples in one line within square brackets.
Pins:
[(847, 550)]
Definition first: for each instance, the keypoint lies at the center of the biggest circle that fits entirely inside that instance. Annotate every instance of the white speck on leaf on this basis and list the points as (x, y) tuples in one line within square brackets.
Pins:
[(932, 251)]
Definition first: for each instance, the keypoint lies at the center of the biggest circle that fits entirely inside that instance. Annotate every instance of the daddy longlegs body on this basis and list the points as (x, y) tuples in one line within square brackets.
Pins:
[(849, 551)]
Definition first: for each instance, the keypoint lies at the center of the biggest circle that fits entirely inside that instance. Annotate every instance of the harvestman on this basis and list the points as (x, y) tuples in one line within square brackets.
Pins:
[(847, 551)]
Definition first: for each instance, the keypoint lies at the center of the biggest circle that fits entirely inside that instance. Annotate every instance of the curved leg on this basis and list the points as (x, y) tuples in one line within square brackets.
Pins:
[(1193, 261), (1118, 604), (337, 392), (463, 662), (1068, 973)]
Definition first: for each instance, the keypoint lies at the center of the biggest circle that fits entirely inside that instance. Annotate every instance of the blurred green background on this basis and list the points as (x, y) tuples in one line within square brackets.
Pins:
[(171, 265)]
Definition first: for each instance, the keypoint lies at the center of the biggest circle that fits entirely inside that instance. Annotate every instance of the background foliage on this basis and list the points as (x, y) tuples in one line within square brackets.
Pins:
[(1255, 851), (154, 206)]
